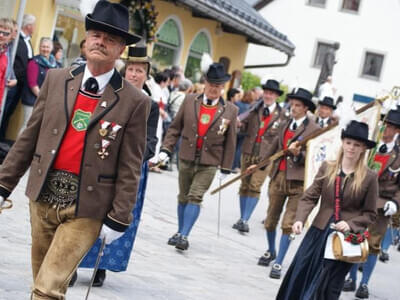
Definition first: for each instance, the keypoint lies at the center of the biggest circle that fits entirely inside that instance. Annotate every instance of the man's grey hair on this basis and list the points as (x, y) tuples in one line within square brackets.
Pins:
[(184, 85), (28, 20)]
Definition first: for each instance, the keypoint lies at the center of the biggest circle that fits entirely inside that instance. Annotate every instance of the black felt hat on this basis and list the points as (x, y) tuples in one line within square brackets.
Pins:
[(138, 54), (112, 18), (272, 85), (393, 117), (216, 74), (358, 131), (304, 96), (328, 101)]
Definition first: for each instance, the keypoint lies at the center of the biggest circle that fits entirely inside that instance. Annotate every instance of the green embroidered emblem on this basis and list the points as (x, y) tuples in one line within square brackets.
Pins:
[(81, 119), (205, 119), (377, 166), (262, 124)]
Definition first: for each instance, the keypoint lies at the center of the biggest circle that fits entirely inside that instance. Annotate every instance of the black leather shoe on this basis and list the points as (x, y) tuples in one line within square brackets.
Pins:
[(362, 292), (73, 279), (174, 239), (349, 285), (243, 227), (276, 271), (398, 247), (236, 225), (182, 244), (384, 257), (266, 259), (99, 278)]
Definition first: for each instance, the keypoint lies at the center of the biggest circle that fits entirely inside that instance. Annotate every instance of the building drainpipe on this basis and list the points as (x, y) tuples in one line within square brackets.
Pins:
[(288, 57)]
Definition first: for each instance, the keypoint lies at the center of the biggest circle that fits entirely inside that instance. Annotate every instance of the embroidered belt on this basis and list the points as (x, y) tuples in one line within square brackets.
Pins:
[(60, 188)]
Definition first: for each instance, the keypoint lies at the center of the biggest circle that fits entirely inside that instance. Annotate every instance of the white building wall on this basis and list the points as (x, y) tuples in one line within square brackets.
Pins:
[(375, 27)]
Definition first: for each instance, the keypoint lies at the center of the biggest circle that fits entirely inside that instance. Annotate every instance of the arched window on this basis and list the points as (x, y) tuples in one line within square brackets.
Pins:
[(199, 45), (166, 49)]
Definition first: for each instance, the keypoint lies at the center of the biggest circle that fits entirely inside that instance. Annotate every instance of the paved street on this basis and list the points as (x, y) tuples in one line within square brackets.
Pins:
[(214, 268)]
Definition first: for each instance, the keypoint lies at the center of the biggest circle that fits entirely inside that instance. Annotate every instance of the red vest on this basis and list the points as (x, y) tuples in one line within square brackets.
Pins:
[(205, 119), (263, 127), (289, 134), (69, 156), (381, 161), (3, 71)]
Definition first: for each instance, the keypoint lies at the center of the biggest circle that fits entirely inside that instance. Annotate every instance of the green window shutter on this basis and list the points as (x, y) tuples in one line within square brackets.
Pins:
[(200, 44), (169, 34)]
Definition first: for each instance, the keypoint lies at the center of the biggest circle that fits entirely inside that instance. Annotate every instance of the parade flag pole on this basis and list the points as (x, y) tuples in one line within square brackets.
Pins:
[(303, 142), (96, 267)]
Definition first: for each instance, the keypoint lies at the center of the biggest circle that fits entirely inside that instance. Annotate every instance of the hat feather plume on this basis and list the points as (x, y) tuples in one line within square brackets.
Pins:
[(206, 62), (346, 114), (87, 6)]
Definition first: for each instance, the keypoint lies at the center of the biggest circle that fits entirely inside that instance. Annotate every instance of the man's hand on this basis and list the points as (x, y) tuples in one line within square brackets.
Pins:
[(297, 227), (251, 167), (163, 157), (341, 226), (1, 201), (11, 83), (109, 235), (390, 208), (295, 148)]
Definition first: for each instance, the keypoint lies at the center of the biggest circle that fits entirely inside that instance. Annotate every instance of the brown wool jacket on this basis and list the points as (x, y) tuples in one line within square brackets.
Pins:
[(107, 188), (251, 125), (218, 145), (358, 210), (389, 181), (295, 165)]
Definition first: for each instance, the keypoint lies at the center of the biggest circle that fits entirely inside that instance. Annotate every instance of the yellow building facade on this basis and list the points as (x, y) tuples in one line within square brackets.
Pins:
[(180, 34)]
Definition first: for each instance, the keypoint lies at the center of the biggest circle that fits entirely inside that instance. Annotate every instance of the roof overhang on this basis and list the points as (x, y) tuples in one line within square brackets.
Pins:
[(236, 21)]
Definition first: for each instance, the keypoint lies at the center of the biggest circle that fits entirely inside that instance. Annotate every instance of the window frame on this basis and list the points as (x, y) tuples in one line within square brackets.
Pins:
[(320, 5), (350, 11), (363, 61), (315, 52)]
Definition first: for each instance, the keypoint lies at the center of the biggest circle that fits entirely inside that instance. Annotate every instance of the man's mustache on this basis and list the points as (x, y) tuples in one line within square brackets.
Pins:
[(101, 49)]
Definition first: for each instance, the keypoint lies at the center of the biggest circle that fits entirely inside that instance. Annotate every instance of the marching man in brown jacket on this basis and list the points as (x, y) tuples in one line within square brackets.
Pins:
[(387, 165), (287, 176), (84, 145), (260, 127), (207, 126)]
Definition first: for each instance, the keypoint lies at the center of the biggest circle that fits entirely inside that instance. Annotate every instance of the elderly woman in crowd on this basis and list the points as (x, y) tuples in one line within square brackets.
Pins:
[(36, 73)]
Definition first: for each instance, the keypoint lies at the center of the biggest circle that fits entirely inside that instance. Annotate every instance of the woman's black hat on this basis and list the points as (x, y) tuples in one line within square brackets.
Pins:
[(304, 96), (358, 131), (216, 74), (272, 85), (112, 18), (328, 101)]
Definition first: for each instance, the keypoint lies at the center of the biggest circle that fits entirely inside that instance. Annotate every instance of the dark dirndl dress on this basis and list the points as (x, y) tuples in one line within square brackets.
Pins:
[(116, 255), (310, 276)]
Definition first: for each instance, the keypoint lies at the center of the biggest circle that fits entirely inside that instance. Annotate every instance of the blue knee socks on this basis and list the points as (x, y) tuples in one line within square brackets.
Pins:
[(387, 240), (283, 248), (369, 266), (353, 272), (271, 235), (251, 203), (191, 213), (242, 201), (181, 209)]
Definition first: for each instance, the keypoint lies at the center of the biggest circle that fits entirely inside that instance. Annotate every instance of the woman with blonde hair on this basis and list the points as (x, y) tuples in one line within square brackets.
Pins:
[(348, 192)]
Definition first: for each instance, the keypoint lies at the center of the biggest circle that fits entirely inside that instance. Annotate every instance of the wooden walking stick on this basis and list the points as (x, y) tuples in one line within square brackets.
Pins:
[(96, 267)]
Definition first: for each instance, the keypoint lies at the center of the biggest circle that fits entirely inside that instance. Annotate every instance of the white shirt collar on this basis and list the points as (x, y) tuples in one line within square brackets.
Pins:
[(271, 108), (389, 146), (102, 79), (214, 102), (26, 37), (298, 122)]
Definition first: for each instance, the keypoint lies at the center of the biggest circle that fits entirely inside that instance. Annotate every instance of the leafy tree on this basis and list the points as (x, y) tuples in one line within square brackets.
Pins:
[(249, 81)]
